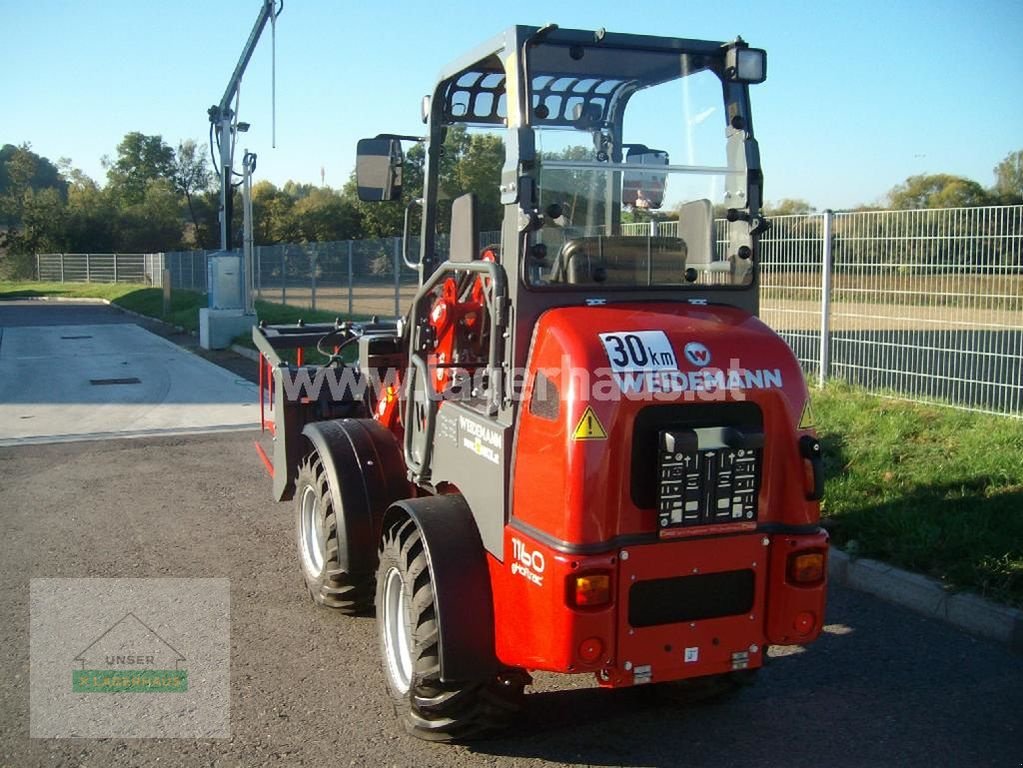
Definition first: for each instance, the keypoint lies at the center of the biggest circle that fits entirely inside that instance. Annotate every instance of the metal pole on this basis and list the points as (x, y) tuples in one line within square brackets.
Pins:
[(284, 276), (826, 258), (312, 276), (259, 271), (397, 277), (166, 292), (351, 297), (37, 268), (62, 267), (115, 269), (88, 270), (248, 166)]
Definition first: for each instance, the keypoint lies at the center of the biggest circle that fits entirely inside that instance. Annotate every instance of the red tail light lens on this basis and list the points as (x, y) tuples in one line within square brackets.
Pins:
[(806, 568), (589, 590)]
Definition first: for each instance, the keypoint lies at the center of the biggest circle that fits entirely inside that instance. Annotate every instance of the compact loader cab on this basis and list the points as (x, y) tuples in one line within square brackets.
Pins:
[(581, 451)]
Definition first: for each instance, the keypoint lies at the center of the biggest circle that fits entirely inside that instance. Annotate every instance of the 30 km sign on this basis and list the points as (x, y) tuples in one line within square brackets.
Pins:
[(633, 351)]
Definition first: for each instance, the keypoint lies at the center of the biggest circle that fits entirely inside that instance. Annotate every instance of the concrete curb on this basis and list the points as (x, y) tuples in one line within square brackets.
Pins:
[(251, 354), (929, 597), (69, 299)]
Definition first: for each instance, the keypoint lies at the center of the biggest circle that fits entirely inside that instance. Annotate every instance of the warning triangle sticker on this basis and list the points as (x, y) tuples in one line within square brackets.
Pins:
[(806, 419), (589, 427)]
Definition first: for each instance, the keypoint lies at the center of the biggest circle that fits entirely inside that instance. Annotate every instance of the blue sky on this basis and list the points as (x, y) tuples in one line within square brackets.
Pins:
[(859, 95)]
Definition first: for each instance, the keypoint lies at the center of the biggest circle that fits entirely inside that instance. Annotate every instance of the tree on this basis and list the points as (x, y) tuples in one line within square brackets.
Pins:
[(939, 190), (273, 215), (789, 206), (1009, 178), (154, 223), (192, 177), (90, 224), (140, 160), (325, 216), (21, 171)]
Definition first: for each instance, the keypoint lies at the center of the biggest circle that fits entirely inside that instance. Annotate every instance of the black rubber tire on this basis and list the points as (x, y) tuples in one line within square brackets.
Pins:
[(431, 709), (330, 587), (704, 690)]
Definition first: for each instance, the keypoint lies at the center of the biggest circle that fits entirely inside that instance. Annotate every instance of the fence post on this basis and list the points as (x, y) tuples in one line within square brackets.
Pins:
[(88, 269), (115, 269), (284, 275), (312, 276), (191, 268), (826, 266), (350, 287), (259, 271), (37, 268), (397, 277), (62, 267)]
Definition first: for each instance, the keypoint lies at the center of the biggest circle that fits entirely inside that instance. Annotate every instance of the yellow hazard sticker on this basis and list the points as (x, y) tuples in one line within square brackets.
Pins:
[(806, 419), (589, 427)]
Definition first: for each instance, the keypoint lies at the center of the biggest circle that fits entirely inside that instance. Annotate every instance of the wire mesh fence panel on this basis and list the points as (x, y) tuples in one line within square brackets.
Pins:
[(929, 304), (95, 268), (49, 267), (790, 284), (188, 269)]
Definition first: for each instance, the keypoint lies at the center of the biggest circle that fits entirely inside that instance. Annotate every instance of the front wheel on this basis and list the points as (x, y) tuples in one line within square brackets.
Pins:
[(409, 647), (316, 531)]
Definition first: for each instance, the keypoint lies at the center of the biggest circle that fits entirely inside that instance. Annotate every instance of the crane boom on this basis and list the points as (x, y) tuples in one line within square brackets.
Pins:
[(222, 115)]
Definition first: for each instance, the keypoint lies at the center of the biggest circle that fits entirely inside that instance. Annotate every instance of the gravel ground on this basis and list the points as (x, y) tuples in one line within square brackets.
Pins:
[(883, 686)]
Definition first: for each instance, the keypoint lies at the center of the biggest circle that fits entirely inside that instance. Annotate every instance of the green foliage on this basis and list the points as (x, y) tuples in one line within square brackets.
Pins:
[(141, 159), (153, 223), (1009, 178), (21, 171), (324, 215), (788, 206), (939, 190), (193, 178), (928, 488)]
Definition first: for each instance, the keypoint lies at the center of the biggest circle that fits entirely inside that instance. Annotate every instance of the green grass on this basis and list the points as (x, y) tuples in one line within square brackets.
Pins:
[(184, 308), (27, 290), (931, 489)]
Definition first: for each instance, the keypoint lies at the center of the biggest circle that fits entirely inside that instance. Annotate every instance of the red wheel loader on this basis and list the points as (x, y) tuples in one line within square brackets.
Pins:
[(580, 451)]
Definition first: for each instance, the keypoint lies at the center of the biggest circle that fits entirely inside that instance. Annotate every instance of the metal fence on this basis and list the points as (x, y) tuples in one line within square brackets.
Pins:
[(141, 268), (919, 304)]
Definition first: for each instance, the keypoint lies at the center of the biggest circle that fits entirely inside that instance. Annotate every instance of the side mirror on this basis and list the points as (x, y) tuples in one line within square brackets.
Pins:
[(644, 189), (378, 169)]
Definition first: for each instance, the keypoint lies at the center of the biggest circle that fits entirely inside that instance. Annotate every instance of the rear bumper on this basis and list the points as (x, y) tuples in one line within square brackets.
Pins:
[(681, 609)]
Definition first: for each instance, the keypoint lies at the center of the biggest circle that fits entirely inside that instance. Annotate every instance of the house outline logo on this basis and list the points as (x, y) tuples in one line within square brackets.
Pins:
[(147, 663)]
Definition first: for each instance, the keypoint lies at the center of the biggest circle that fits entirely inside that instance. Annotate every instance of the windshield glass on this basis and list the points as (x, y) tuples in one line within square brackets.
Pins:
[(633, 165)]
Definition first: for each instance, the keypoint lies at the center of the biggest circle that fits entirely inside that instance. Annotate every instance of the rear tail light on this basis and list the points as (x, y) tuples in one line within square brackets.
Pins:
[(589, 590), (806, 568), (805, 623), (591, 649)]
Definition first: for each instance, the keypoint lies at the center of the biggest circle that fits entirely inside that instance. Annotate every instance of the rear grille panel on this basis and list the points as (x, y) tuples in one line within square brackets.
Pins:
[(691, 598)]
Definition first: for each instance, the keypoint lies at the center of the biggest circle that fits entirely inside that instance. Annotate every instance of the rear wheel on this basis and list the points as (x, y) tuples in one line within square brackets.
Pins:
[(317, 536), (409, 646)]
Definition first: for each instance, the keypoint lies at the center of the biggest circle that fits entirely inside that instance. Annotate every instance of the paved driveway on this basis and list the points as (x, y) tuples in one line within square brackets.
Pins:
[(74, 372), (882, 687)]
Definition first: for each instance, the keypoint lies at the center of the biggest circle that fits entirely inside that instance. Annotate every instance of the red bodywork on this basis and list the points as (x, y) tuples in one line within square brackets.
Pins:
[(574, 494)]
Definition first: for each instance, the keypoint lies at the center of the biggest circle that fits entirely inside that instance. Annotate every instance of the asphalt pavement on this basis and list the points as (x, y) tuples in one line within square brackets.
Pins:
[(883, 686)]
